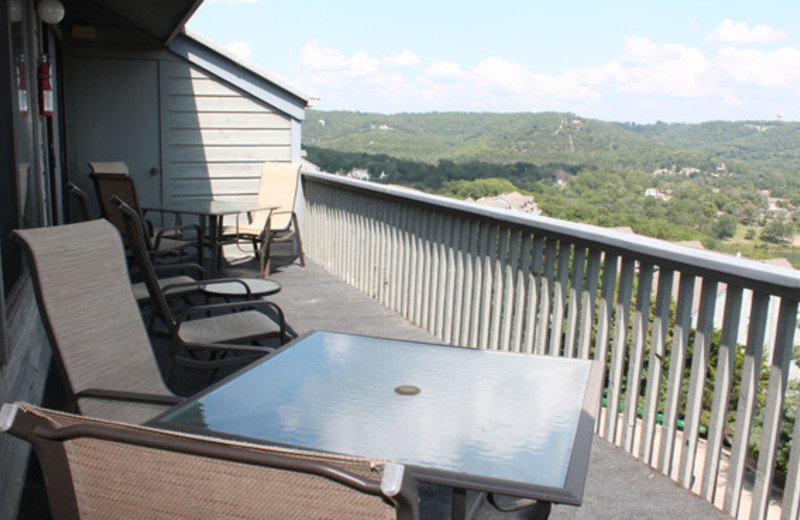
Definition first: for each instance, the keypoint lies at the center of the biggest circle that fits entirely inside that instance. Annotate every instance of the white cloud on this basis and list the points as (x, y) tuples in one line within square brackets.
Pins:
[(775, 69), (672, 80), (239, 48), (404, 58), (732, 32), (326, 59), (445, 69)]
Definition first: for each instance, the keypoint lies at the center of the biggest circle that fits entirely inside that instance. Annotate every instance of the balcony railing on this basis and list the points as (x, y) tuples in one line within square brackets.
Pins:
[(667, 320)]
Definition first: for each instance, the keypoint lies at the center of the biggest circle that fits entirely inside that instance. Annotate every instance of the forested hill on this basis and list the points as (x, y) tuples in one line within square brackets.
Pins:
[(750, 147)]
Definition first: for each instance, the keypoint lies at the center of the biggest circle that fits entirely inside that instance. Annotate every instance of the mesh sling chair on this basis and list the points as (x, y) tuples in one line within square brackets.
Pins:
[(176, 271), (246, 325), (113, 179), (263, 228), (100, 344), (100, 469)]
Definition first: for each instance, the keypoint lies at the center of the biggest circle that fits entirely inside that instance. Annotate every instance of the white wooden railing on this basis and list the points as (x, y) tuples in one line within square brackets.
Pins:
[(491, 279)]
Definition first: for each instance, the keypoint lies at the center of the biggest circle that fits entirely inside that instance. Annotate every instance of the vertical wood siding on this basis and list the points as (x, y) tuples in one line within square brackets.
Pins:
[(215, 138), (22, 378), (479, 279)]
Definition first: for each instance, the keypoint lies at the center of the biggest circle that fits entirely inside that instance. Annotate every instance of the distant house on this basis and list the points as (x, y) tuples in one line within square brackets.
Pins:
[(658, 194), (361, 174)]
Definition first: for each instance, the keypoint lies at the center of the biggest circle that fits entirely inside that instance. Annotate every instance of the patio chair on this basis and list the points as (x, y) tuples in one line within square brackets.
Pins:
[(101, 469), (278, 188), (113, 179), (81, 202), (245, 325), (99, 342)]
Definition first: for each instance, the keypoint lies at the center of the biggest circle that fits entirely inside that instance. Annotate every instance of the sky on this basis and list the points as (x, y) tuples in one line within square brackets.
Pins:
[(617, 60)]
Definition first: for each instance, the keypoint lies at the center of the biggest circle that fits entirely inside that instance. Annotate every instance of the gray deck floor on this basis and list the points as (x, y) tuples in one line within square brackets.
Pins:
[(618, 486)]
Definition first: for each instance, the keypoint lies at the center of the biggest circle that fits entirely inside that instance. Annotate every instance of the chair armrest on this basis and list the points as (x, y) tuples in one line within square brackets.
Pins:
[(250, 304), (179, 230), (246, 354), (201, 271), (136, 397)]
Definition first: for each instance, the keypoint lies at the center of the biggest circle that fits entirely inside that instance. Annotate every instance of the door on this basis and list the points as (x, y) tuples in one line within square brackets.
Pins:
[(116, 118)]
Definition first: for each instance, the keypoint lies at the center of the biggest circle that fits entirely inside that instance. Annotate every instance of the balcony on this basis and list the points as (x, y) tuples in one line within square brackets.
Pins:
[(667, 320)]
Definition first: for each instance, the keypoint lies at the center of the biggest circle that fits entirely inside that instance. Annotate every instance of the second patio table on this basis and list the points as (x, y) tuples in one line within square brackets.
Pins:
[(210, 213)]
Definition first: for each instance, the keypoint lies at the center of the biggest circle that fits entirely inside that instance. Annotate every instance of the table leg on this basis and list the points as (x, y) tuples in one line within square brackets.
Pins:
[(213, 236), (201, 254)]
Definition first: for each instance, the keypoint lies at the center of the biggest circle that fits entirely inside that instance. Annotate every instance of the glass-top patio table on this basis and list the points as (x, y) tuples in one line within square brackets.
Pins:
[(211, 213), (496, 422)]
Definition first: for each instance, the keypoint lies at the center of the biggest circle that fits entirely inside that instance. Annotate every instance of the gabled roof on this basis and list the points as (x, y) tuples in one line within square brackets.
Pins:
[(223, 64)]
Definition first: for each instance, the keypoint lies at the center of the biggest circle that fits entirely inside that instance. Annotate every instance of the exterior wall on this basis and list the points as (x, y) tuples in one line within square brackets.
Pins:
[(216, 138), (22, 378)]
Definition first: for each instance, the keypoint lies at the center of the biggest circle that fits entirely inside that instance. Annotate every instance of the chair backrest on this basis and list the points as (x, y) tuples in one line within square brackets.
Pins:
[(101, 469), (91, 316), (279, 188), (81, 202), (137, 241), (113, 178)]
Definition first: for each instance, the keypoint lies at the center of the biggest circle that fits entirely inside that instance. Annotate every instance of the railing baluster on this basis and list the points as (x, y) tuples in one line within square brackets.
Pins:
[(559, 298), (488, 282), (451, 278), (722, 388), (747, 400), (531, 325), (545, 296), (471, 252), (636, 357), (658, 346), (672, 404), (461, 244), (522, 289), (589, 303), (604, 316), (573, 309), (697, 380), (495, 341), (622, 313), (778, 379), (511, 267)]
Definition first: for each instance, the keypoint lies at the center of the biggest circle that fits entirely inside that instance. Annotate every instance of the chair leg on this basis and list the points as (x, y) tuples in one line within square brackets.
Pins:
[(263, 256), (299, 241)]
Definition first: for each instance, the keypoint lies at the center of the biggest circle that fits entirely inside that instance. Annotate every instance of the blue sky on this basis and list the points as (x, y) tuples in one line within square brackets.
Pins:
[(617, 60)]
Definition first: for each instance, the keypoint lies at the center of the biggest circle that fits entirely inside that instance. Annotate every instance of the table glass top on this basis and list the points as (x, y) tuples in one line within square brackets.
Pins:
[(210, 207), (258, 287), (493, 414)]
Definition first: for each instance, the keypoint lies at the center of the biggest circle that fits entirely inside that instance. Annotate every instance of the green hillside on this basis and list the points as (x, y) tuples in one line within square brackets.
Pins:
[(768, 150)]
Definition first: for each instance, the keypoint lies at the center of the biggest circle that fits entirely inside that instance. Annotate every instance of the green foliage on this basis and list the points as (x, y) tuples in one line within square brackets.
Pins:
[(767, 153), (778, 230), (725, 226), (462, 189)]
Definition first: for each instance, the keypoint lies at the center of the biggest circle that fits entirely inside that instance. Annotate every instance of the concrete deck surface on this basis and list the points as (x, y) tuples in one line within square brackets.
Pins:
[(617, 487)]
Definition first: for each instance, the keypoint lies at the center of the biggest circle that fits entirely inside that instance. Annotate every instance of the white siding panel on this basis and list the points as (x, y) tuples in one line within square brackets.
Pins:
[(199, 154), (233, 137), (216, 138), (194, 104), (223, 120)]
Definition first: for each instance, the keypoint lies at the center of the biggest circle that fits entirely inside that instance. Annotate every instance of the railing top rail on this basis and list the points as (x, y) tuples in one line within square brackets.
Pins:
[(725, 268)]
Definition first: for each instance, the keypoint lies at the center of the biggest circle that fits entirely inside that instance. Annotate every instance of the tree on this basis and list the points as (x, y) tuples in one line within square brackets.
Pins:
[(778, 230), (725, 227)]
